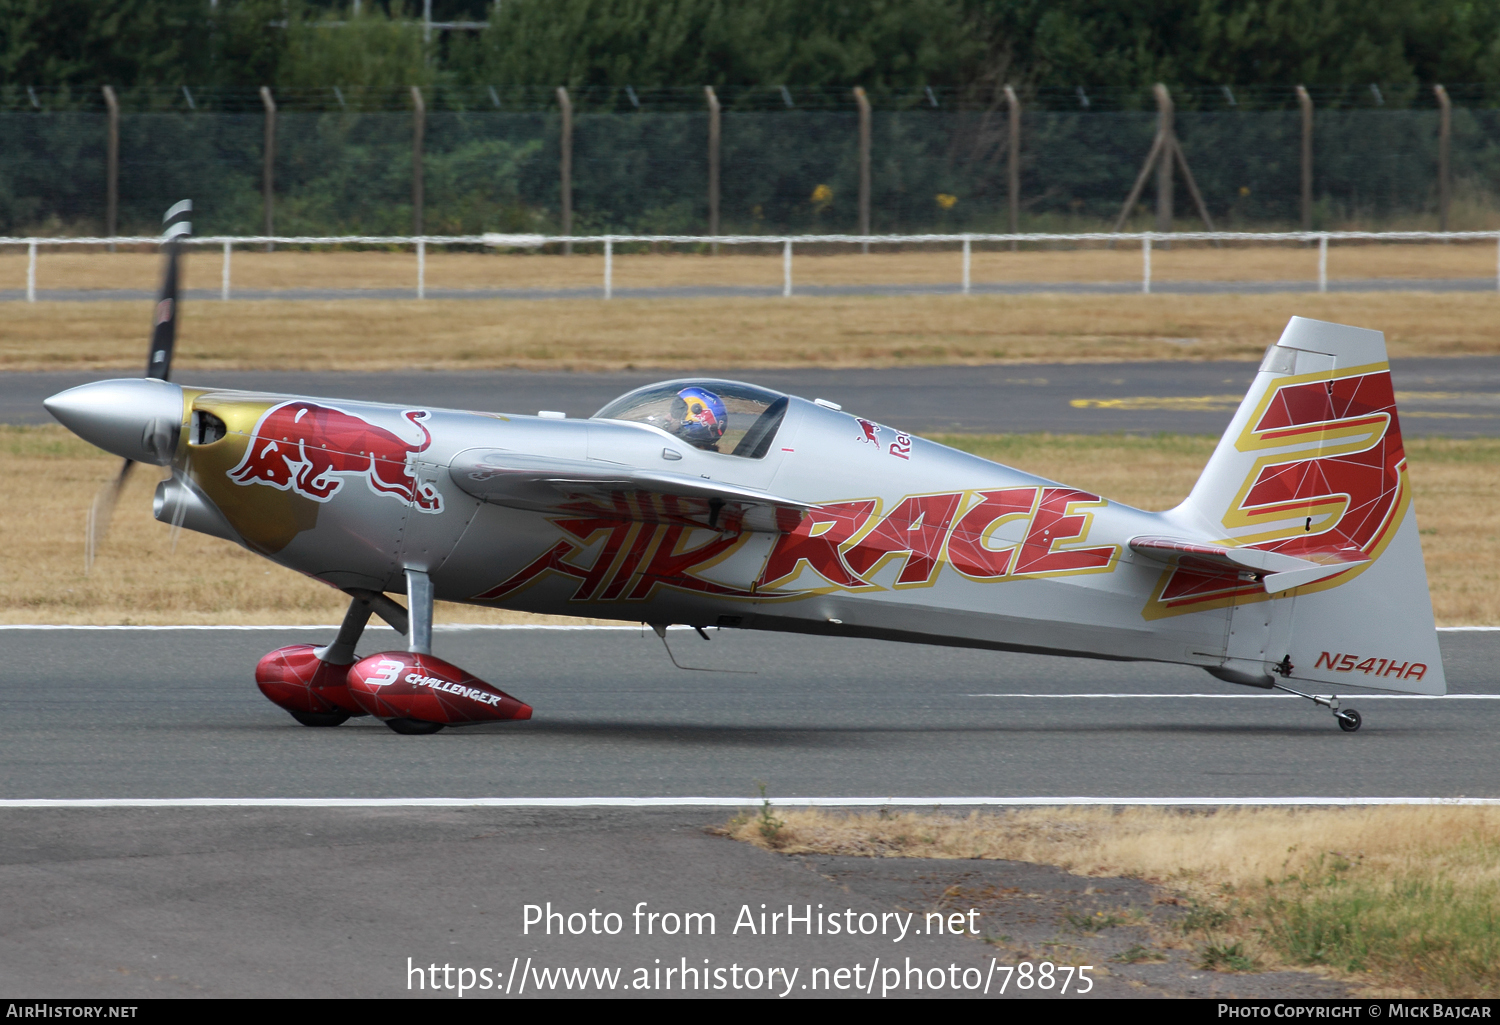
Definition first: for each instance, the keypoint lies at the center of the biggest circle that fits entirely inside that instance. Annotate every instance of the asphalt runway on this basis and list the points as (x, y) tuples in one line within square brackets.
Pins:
[(1458, 397), (132, 902), (1484, 284), (127, 903), (171, 713)]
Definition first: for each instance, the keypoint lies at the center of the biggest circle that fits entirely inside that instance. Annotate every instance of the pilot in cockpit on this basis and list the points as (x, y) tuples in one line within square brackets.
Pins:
[(699, 418)]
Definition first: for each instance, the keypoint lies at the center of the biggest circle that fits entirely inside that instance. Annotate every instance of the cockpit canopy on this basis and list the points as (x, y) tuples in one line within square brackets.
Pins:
[(717, 416)]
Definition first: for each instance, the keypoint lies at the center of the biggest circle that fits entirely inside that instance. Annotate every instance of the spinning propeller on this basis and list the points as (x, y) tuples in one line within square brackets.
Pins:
[(159, 438)]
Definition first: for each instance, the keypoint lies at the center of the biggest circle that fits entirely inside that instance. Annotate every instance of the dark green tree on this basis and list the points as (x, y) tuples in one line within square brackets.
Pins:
[(81, 44), (881, 44)]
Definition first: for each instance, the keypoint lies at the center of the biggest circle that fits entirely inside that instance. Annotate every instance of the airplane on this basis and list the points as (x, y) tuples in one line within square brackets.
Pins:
[(703, 502)]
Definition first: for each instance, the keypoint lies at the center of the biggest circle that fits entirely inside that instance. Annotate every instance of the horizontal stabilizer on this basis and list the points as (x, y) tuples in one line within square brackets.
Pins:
[(1276, 571), (592, 488)]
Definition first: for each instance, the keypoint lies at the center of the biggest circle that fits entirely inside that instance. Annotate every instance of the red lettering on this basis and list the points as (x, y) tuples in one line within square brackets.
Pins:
[(967, 549), (816, 541), (914, 531), (1379, 667), (1357, 490), (626, 573), (586, 531), (1055, 523), (668, 565), (550, 561)]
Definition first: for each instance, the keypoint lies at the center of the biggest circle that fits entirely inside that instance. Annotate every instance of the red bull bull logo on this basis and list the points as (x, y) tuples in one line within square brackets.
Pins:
[(307, 448)]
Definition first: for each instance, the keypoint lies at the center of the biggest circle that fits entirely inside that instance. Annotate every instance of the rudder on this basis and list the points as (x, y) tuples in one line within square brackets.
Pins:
[(1312, 472)]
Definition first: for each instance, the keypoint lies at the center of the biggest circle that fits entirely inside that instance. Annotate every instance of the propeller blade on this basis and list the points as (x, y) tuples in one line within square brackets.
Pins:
[(158, 365), (164, 322), (100, 512)]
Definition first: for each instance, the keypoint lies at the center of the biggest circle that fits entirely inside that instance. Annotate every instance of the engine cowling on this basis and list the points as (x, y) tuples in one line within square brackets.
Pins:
[(297, 680), (404, 685)]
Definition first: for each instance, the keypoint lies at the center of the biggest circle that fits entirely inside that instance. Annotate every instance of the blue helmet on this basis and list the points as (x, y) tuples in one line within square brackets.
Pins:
[(699, 417)]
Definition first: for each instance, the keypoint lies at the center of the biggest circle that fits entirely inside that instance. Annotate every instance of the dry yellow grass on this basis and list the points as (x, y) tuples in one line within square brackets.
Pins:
[(72, 267), (1403, 899), (738, 334), (139, 579)]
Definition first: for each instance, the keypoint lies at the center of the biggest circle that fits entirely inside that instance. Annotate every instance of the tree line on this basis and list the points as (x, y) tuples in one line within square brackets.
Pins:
[(969, 50)]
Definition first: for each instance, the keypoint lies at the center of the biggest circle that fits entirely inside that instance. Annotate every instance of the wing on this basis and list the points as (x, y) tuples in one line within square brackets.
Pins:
[(588, 487), (1277, 572)]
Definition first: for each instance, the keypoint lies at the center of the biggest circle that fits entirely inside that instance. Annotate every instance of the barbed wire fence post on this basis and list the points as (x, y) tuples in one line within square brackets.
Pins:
[(112, 167), (268, 170), (1445, 140), (864, 164), (1166, 128), (418, 144), (1013, 162), (1304, 101), (565, 165), (713, 164)]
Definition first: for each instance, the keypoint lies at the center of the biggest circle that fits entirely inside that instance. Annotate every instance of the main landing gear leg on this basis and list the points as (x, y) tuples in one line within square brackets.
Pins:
[(412, 691), (419, 610), (418, 641), (1348, 719), (341, 651), (311, 683)]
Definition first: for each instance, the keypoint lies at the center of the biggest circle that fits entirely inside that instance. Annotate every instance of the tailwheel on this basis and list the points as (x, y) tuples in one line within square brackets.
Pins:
[(414, 727), (1348, 719), (320, 718)]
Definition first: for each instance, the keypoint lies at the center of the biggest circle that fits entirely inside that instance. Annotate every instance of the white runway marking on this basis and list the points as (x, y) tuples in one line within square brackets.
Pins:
[(727, 802), (458, 627), (1261, 697), (439, 627)]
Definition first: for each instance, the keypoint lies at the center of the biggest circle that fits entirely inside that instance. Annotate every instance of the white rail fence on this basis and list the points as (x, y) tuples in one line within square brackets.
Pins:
[(608, 242)]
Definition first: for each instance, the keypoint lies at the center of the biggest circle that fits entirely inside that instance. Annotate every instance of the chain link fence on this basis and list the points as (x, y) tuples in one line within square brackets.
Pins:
[(786, 171)]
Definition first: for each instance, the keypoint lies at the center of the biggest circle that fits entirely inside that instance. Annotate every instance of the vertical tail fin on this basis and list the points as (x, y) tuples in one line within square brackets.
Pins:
[(1312, 467)]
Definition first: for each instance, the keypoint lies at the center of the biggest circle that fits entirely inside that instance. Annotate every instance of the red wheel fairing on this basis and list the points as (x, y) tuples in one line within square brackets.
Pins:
[(405, 685), (297, 680)]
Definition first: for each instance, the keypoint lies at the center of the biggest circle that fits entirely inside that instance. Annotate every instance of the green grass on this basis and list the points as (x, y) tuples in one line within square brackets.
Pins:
[(1430, 922), (1226, 957), (1086, 922)]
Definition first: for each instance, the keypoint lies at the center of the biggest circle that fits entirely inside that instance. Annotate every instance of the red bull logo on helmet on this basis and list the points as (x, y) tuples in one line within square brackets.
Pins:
[(308, 448)]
